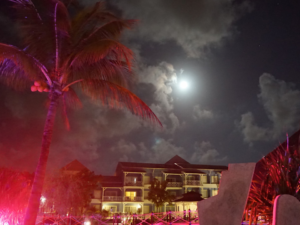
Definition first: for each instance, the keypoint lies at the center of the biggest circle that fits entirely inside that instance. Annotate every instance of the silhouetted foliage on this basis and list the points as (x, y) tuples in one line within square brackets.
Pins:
[(69, 194)]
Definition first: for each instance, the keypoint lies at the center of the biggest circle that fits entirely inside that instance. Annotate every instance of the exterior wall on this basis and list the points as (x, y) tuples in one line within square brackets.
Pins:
[(205, 182)]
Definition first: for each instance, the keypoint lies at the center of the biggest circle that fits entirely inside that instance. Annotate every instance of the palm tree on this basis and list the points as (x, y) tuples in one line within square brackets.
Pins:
[(59, 52)]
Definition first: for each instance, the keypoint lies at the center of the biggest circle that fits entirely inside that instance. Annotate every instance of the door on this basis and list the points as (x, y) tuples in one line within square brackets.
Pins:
[(146, 209)]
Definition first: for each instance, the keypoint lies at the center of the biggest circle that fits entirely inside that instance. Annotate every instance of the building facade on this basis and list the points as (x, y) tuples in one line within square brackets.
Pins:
[(127, 191)]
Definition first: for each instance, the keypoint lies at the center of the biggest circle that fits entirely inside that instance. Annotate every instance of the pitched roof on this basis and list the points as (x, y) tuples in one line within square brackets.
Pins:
[(75, 165), (180, 164), (176, 159)]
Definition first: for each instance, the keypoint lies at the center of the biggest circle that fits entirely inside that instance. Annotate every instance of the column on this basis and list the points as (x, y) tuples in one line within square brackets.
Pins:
[(125, 174), (165, 207), (123, 210), (103, 189), (124, 192), (142, 208), (143, 179)]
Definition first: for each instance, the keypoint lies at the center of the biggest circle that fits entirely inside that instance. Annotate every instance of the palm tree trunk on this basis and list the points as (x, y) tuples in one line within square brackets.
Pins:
[(36, 191)]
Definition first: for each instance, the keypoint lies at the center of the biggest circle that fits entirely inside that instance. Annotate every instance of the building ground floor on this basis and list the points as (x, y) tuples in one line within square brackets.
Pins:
[(143, 208)]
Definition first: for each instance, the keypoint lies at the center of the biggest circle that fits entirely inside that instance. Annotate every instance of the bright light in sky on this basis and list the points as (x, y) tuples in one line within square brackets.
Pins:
[(184, 85)]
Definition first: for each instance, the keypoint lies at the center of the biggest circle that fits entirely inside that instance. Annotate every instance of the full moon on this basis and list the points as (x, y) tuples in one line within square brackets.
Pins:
[(184, 85)]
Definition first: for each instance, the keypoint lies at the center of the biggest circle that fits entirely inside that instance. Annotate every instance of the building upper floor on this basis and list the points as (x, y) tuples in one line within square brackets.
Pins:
[(177, 172)]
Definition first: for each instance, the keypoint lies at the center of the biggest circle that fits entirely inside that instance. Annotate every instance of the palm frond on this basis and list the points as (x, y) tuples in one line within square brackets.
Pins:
[(103, 49), (72, 99), (105, 69), (25, 65), (87, 20), (13, 77), (111, 30), (36, 28), (62, 29), (64, 113), (116, 96)]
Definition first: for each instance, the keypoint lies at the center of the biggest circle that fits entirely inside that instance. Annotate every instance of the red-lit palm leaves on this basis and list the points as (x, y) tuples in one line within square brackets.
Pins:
[(280, 174), (59, 52)]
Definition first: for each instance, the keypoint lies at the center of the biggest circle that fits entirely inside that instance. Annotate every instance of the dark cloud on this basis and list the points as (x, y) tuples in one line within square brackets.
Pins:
[(194, 25)]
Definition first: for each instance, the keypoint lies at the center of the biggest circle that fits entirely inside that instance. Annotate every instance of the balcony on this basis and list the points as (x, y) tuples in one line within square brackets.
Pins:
[(133, 199), (121, 198), (113, 198), (193, 183), (174, 184), (215, 182), (136, 183)]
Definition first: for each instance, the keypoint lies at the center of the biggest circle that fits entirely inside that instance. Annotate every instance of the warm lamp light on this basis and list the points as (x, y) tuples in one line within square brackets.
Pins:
[(43, 199)]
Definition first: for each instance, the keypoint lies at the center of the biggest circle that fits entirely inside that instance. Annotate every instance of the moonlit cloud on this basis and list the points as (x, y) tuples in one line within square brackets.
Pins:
[(282, 107), (163, 104), (199, 113), (205, 154), (251, 131)]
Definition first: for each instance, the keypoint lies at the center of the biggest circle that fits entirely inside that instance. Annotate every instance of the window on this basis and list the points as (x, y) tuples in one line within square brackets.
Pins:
[(130, 209), (204, 179), (146, 194), (110, 208), (172, 179), (130, 195), (146, 180), (191, 178), (204, 193), (173, 193), (111, 193), (131, 180), (214, 192), (214, 179)]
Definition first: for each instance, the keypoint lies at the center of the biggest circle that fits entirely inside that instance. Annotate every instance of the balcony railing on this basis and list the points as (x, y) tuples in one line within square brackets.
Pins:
[(121, 198), (133, 199), (193, 183), (112, 198), (174, 184), (130, 183)]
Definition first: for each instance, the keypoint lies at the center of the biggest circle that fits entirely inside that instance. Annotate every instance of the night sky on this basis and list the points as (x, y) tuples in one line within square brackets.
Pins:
[(240, 58)]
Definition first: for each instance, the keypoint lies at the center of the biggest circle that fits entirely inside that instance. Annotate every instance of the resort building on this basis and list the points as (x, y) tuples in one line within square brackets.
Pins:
[(127, 191)]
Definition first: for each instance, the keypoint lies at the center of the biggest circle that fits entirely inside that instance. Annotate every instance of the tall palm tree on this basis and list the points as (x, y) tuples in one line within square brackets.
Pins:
[(59, 52)]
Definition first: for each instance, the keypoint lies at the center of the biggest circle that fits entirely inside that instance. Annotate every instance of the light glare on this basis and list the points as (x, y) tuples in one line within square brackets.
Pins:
[(184, 85)]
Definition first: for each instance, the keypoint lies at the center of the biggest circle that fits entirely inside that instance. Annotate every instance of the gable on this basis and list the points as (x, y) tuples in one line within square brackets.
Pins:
[(176, 159)]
